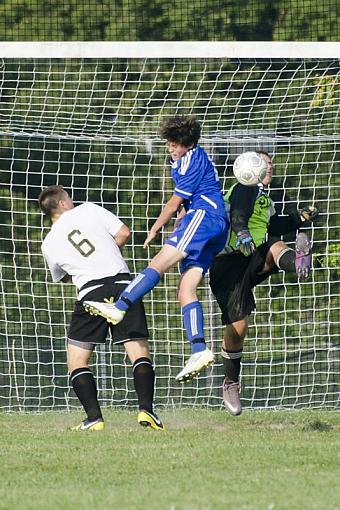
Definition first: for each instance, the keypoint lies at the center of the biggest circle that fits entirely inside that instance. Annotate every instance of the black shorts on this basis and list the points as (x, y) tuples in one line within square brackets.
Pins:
[(232, 278), (89, 328)]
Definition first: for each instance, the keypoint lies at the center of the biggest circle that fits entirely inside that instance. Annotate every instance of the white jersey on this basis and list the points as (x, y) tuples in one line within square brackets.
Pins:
[(81, 244)]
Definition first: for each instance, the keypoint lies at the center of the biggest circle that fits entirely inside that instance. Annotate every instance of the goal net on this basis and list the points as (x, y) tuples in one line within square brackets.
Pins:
[(87, 116)]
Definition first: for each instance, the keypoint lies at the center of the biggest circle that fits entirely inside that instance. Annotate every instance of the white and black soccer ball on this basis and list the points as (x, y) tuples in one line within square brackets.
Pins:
[(249, 168)]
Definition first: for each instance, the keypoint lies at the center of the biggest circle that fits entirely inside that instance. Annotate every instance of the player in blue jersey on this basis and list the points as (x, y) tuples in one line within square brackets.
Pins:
[(200, 233)]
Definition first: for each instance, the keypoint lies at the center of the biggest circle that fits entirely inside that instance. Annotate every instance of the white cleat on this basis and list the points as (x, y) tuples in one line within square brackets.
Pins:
[(195, 364), (231, 397), (107, 310)]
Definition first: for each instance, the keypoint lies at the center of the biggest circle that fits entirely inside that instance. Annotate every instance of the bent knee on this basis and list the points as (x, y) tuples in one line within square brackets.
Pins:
[(235, 334)]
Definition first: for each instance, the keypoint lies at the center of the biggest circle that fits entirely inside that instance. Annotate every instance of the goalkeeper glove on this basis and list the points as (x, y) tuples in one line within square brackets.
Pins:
[(245, 243), (309, 213)]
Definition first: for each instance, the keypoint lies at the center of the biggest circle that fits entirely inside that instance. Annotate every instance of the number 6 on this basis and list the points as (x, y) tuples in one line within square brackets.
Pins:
[(84, 246)]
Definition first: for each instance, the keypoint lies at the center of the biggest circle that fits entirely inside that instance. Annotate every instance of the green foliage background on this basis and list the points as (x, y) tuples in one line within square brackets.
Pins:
[(93, 127), (126, 20)]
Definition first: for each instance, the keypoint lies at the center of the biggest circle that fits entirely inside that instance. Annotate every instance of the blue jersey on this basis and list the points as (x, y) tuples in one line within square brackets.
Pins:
[(196, 180)]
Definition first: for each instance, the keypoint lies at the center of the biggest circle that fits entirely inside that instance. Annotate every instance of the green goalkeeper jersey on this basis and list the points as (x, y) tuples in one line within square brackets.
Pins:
[(258, 215)]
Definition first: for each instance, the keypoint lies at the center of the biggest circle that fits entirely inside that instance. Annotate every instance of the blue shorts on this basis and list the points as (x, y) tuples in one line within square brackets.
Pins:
[(201, 236)]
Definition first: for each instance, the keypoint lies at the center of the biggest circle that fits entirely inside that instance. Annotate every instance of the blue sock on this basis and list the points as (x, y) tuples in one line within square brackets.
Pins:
[(193, 323), (143, 283)]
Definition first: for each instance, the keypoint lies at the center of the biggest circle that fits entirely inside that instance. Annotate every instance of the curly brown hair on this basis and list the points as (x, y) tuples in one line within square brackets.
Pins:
[(181, 129)]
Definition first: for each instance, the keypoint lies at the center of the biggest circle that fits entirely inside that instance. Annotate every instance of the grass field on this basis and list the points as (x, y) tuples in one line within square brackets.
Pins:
[(206, 460)]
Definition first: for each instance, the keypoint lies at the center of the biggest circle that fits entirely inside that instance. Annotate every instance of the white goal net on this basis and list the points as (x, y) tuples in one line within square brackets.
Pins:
[(87, 116)]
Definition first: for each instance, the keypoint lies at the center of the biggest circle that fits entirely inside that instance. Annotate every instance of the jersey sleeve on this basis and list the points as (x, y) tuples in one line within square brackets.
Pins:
[(281, 225), (189, 176), (56, 271), (242, 203), (111, 221)]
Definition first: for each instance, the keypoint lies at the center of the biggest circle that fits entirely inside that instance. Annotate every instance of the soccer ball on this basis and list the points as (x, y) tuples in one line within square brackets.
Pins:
[(249, 168)]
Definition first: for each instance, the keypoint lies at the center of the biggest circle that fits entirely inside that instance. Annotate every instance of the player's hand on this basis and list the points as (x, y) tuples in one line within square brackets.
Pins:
[(309, 213), (245, 242), (151, 235)]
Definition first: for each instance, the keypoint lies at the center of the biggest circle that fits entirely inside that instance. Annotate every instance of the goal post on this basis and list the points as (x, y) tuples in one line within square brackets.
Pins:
[(170, 49), (87, 115)]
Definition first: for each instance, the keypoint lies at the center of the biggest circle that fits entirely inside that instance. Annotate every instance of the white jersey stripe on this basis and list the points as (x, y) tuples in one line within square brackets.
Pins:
[(185, 162), (187, 232), (213, 204), (184, 192), (191, 229)]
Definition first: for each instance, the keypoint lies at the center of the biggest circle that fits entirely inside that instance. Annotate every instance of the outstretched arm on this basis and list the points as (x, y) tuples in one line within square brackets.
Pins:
[(241, 206), (280, 225), (170, 208), (242, 203)]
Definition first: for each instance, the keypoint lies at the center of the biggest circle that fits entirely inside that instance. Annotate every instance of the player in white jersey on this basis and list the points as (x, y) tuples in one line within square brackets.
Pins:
[(84, 245)]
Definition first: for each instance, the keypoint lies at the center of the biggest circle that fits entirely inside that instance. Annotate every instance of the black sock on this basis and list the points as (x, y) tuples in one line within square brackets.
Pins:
[(232, 364), (85, 388), (144, 380), (286, 261)]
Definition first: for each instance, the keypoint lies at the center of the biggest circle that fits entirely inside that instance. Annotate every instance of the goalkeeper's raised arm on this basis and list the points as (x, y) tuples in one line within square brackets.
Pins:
[(281, 225)]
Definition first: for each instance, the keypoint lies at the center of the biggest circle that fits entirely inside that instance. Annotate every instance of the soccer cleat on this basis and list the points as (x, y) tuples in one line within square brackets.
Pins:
[(106, 310), (303, 257), (147, 419), (195, 364), (231, 397), (90, 425)]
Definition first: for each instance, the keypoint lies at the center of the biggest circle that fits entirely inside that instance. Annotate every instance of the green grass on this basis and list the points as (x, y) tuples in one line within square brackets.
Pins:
[(206, 460)]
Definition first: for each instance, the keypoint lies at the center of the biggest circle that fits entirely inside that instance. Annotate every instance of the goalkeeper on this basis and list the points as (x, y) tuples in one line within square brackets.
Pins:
[(84, 244), (254, 252)]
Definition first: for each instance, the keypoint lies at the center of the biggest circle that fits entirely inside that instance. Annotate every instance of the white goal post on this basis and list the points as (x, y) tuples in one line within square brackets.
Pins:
[(87, 115)]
